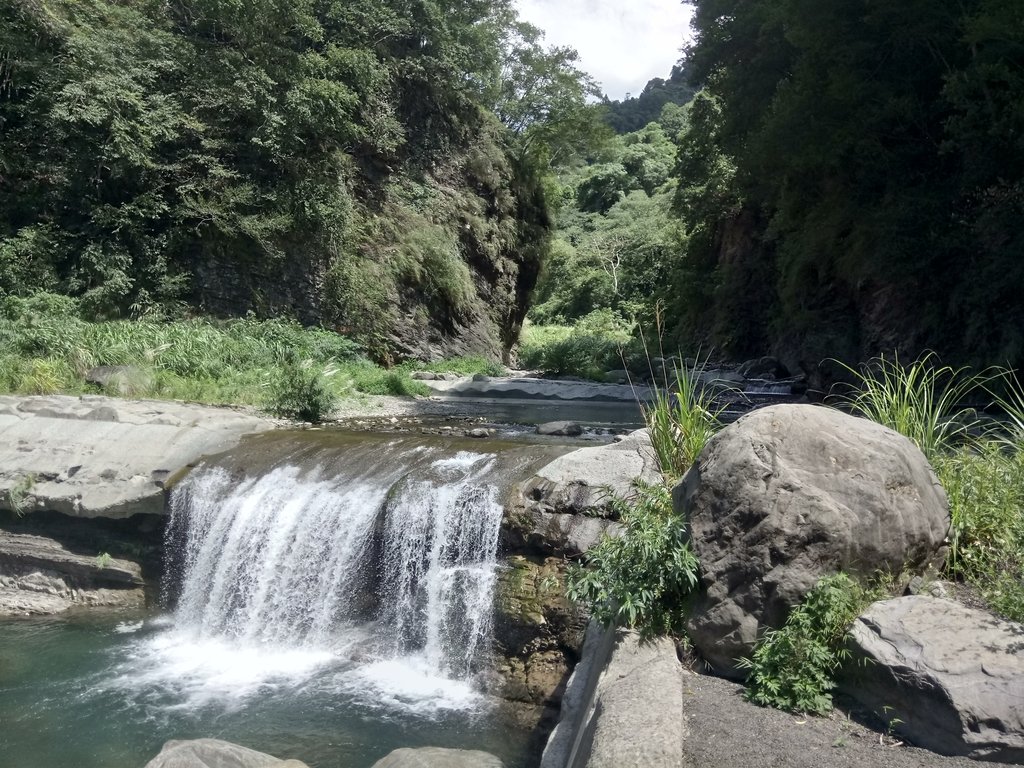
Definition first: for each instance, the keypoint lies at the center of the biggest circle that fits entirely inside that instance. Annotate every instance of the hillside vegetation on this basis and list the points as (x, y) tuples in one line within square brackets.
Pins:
[(852, 180), (373, 166)]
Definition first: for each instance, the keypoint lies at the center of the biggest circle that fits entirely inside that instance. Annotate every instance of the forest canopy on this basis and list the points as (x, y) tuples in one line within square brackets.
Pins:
[(852, 179), (365, 164)]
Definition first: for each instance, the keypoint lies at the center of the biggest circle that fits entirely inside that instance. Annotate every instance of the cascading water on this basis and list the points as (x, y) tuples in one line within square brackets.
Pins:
[(385, 566), (331, 597), (441, 537)]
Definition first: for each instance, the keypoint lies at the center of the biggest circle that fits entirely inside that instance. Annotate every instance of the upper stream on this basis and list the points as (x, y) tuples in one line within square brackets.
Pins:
[(327, 596)]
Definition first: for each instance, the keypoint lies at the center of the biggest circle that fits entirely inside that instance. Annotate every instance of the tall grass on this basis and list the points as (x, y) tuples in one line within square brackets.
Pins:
[(45, 348), (921, 400), (682, 416), (982, 472)]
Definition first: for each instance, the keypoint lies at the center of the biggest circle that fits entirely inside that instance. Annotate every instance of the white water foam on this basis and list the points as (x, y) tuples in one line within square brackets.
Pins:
[(376, 584)]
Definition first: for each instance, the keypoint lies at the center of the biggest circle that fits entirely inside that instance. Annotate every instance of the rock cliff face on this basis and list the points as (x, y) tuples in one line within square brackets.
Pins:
[(439, 267)]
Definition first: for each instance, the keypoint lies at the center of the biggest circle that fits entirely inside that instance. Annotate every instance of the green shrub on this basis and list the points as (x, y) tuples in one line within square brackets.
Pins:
[(644, 578), (985, 486), (302, 391), (44, 377), (587, 349), (792, 668)]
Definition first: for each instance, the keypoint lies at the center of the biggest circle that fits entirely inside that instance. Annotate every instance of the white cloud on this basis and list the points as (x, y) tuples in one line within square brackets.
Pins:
[(622, 43)]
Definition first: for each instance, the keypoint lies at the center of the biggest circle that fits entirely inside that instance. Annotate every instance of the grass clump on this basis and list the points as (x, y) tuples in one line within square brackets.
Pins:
[(644, 578), (920, 401), (45, 348), (985, 485), (793, 668), (302, 391), (682, 417)]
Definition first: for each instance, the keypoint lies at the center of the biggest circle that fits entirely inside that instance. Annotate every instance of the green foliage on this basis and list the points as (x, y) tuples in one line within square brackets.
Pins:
[(338, 161), (589, 348), (541, 97), (465, 366), (793, 668), (617, 239), (302, 392), (841, 151), (644, 578), (920, 400), (48, 348), (603, 186), (373, 380), (634, 112), (682, 418), (985, 486)]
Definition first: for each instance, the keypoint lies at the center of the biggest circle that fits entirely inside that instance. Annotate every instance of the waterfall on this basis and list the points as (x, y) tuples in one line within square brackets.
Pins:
[(391, 553)]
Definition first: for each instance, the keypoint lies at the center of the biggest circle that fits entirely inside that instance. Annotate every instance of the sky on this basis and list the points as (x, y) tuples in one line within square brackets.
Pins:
[(622, 43)]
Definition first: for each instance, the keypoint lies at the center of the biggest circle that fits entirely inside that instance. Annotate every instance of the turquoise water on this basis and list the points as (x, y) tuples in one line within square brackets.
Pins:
[(107, 691)]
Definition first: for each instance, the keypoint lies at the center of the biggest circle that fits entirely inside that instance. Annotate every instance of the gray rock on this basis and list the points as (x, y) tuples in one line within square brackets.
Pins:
[(565, 535), (560, 429), (582, 481), (576, 709), (40, 576), (478, 432), (436, 757), (763, 368), (424, 376), (640, 706), (718, 379), (526, 388), (789, 494), (948, 677), (214, 753), (560, 510), (618, 377), (635, 715), (31, 551), (117, 448)]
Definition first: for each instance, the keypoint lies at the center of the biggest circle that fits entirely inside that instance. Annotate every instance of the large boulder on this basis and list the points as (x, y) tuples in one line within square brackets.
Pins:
[(789, 494), (948, 677), (214, 753), (436, 757)]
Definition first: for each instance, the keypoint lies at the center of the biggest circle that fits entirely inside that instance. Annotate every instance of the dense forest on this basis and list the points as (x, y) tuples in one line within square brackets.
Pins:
[(374, 166), (812, 180), (852, 180)]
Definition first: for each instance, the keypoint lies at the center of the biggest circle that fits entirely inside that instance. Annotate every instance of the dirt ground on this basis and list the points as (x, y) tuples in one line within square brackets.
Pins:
[(726, 731)]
